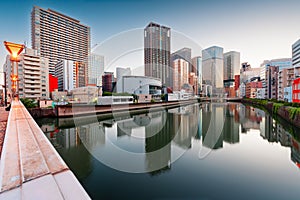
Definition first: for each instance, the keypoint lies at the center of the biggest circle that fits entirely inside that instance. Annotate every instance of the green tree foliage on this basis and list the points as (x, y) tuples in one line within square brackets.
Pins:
[(29, 103)]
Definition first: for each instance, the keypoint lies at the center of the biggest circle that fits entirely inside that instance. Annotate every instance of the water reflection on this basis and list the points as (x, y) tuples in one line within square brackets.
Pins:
[(168, 129)]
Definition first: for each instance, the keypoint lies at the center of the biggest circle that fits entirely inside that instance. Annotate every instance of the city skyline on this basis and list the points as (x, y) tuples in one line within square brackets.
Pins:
[(246, 27)]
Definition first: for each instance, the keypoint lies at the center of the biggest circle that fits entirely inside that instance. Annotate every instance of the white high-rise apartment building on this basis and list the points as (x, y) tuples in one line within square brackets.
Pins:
[(33, 75), (58, 37), (70, 75)]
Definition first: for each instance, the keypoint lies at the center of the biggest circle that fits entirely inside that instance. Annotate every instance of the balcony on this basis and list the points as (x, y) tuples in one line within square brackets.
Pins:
[(35, 68), (28, 63), (29, 81), (32, 72), (32, 77), (37, 86), (32, 91)]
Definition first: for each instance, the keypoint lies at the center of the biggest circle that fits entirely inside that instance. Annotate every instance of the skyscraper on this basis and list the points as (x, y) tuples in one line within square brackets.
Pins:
[(157, 52), (231, 65), (212, 68), (58, 37), (95, 69)]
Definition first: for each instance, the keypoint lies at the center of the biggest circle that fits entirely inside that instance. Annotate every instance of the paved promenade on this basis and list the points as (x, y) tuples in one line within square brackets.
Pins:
[(30, 167)]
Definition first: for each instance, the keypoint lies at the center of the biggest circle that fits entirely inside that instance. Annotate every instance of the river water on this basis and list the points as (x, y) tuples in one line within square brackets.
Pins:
[(200, 151)]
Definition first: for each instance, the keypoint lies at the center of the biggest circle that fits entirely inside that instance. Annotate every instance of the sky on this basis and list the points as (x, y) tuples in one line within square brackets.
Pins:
[(258, 29)]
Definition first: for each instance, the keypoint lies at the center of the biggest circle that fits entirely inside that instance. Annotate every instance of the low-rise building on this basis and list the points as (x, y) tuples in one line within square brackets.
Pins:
[(296, 90), (260, 93), (288, 94), (112, 100), (251, 89), (141, 85), (87, 94)]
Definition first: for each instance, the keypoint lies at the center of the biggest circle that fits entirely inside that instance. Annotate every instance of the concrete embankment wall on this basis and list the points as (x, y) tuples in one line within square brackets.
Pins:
[(286, 112), (82, 110)]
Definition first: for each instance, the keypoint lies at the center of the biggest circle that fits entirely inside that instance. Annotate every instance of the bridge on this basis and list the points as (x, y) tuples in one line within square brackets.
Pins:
[(30, 167)]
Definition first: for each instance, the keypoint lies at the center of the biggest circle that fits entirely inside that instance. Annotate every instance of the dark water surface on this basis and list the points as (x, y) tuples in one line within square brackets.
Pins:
[(201, 151)]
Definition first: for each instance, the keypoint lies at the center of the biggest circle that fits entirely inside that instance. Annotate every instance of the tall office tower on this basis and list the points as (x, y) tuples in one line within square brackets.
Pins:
[(33, 75), (120, 73), (296, 58), (70, 74), (180, 74), (212, 68), (231, 65), (95, 69), (58, 37), (271, 82), (157, 47), (197, 69), (108, 80)]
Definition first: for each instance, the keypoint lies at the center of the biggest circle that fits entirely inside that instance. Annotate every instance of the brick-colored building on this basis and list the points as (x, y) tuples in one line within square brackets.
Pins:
[(251, 89)]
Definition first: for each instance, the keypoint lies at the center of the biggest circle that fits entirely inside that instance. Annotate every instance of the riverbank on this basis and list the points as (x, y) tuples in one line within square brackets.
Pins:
[(289, 113), (76, 110)]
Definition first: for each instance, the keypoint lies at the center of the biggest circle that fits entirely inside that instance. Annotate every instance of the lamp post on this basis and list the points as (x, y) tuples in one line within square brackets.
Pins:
[(14, 51)]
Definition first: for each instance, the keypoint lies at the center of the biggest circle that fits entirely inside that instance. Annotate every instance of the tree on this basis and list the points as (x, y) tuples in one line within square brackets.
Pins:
[(29, 103)]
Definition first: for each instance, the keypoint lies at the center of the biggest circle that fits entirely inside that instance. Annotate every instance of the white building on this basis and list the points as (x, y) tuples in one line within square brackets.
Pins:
[(33, 74), (120, 72), (141, 85), (70, 75), (111, 100)]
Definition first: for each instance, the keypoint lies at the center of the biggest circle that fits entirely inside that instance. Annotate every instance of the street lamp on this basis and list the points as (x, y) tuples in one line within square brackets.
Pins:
[(14, 51)]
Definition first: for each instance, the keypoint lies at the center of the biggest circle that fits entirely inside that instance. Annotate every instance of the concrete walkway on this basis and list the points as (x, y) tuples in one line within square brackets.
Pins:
[(30, 167), (3, 122)]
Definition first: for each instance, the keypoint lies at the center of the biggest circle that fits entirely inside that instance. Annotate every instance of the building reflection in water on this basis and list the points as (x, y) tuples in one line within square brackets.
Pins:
[(163, 129), (212, 124)]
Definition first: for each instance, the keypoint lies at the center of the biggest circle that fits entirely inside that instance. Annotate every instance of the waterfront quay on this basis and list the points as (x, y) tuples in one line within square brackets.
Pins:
[(30, 167)]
